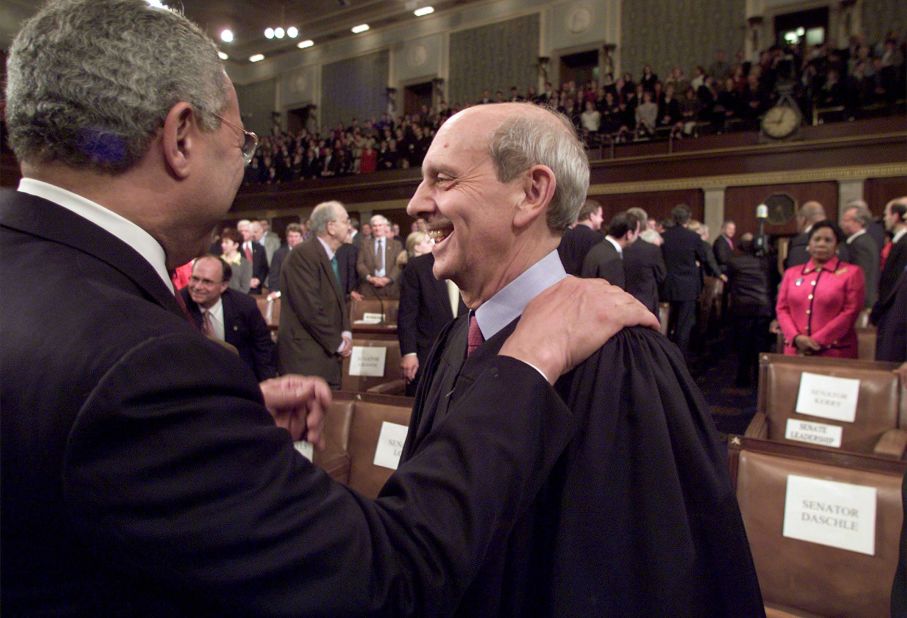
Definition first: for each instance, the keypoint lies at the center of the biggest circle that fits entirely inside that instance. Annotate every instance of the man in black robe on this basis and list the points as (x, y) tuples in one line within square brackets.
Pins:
[(638, 516)]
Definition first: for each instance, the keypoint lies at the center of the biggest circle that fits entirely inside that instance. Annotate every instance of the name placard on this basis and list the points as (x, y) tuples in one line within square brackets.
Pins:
[(371, 318), (305, 449), (813, 433), (365, 361), (830, 513), (390, 445), (828, 397)]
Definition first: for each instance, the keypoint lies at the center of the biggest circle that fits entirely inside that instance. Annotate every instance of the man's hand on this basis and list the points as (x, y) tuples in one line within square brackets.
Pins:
[(254, 282), (356, 296), (298, 404), (569, 321), (347, 348), (410, 365)]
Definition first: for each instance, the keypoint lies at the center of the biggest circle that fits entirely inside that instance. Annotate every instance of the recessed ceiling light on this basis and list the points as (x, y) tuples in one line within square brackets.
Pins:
[(304, 44), (157, 4), (226, 35), (222, 55), (269, 33), (256, 58), (359, 29), (425, 10), (292, 32), (279, 32)]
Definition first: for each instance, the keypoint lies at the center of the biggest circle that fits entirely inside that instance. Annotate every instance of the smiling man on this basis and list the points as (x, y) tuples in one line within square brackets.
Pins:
[(638, 516)]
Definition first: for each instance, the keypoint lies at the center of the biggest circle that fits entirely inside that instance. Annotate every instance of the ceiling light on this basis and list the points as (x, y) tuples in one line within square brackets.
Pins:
[(156, 4), (269, 33), (222, 55), (304, 44), (360, 28), (256, 58), (226, 35), (292, 32), (279, 32), (425, 10)]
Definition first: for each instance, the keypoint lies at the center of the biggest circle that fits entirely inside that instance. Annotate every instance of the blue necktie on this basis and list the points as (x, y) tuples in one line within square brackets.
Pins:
[(336, 268)]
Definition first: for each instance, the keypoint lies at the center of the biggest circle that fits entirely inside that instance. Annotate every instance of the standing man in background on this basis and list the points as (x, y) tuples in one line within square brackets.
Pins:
[(254, 253), (723, 246), (810, 213), (269, 240), (644, 265), (579, 239), (294, 237), (605, 260), (314, 334), (862, 249), (379, 274)]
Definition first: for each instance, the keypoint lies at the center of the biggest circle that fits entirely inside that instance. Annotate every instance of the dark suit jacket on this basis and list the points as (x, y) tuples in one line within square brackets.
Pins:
[(723, 252), (141, 474), (574, 245), (366, 265), (259, 265), (894, 266), (748, 282), (274, 270), (645, 270), (244, 329), (312, 314), (864, 252), (605, 262), (637, 519), (796, 250), (347, 256), (682, 249), (891, 344), (424, 307)]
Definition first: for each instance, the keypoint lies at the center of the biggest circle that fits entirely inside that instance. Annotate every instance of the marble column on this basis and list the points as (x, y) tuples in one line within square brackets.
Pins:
[(714, 211)]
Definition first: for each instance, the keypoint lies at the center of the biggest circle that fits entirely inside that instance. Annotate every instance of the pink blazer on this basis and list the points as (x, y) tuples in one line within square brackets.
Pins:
[(822, 303)]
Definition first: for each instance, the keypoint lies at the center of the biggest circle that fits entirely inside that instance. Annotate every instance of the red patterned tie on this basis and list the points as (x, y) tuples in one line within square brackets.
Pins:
[(207, 326), (474, 337), (883, 256), (249, 252)]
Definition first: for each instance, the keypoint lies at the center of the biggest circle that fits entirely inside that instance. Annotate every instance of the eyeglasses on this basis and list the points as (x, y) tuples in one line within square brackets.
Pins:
[(250, 140)]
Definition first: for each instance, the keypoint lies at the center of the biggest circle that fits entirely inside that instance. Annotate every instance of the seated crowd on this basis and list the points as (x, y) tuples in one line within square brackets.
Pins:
[(724, 96)]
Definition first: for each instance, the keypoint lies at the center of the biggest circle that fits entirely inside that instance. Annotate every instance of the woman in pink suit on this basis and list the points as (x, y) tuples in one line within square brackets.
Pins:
[(819, 301)]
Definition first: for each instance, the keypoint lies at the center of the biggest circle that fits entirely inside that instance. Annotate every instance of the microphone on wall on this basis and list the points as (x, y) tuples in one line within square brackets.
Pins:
[(761, 216)]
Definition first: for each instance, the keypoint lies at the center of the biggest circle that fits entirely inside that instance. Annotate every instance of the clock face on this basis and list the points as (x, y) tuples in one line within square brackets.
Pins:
[(780, 121)]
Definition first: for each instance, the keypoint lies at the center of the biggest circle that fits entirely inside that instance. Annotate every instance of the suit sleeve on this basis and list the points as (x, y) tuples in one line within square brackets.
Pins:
[(842, 323), (660, 271), (175, 471), (393, 267), (245, 275), (274, 271), (408, 312), (363, 264)]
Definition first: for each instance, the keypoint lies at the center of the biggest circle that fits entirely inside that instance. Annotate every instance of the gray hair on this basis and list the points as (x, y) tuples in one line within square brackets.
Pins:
[(90, 82), (862, 213), (323, 214), (522, 141), (378, 219), (640, 215)]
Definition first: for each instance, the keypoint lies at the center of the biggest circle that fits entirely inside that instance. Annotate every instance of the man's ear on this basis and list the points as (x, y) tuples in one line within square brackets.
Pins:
[(538, 191), (178, 138)]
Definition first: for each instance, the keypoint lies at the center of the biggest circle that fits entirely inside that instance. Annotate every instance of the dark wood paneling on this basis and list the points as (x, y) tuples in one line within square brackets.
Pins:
[(879, 191), (740, 204), (657, 204)]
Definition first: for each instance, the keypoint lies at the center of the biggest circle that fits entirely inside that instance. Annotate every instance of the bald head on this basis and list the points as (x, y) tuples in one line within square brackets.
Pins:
[(812, 212), (521, 135)]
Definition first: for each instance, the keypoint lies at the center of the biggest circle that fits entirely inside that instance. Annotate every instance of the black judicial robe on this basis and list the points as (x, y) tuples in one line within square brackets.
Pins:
[(638, 517)]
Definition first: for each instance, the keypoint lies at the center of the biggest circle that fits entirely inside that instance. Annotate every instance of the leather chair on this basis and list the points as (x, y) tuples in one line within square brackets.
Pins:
[(800, 578), (866, 343), (335, 459), (371, 412), (880, 402), (390, 382)]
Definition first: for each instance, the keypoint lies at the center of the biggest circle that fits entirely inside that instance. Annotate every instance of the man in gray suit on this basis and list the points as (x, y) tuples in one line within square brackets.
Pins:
[(862, 248), (314, 334), (268, 239), (379, 274)]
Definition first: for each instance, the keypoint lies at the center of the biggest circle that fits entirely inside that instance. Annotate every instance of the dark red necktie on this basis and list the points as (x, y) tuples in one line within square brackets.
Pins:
[(883, 256), (474, 337), (248, 252)]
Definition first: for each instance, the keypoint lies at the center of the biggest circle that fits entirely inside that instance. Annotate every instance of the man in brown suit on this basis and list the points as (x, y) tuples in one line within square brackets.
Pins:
[(379, 274), (314, 334)]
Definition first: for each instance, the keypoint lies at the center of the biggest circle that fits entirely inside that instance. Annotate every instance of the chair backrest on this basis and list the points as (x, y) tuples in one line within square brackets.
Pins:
[(863, 319), (804, 577), (369, 417), (866, 343), (878, 400), (334, 459), (270, 310), (389, 307), (359, 384)]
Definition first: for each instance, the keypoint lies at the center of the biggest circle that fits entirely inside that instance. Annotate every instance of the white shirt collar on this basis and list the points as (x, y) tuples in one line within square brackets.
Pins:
[(141, 241), (327, 248), (856, 234), (620, 250), (898, 235), (508, 303)]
